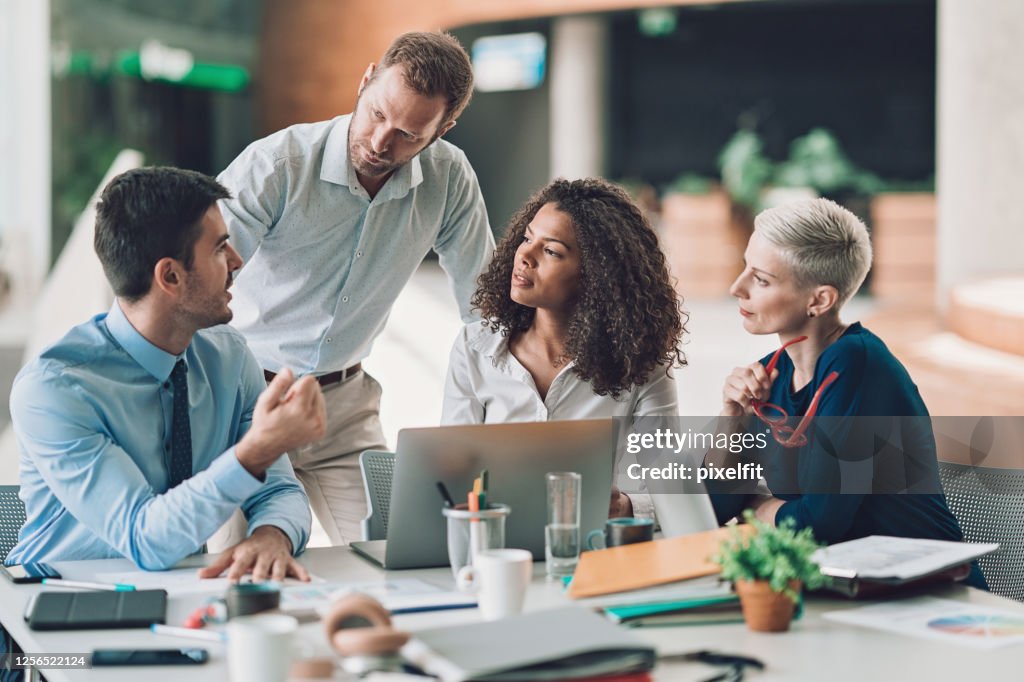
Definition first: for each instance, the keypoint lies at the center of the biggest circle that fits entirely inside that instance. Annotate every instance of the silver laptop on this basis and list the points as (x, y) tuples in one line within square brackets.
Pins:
[(516, 457)]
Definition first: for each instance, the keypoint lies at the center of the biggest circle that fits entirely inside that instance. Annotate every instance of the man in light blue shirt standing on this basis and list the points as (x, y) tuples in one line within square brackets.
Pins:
[(332, 219), (142, 430)]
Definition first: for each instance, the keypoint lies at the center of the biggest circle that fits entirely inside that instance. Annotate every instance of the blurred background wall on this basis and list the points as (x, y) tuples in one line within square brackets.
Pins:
[(705, 111)]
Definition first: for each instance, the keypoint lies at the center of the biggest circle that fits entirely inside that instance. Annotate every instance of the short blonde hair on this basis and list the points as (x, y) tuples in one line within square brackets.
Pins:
[(823, 242)]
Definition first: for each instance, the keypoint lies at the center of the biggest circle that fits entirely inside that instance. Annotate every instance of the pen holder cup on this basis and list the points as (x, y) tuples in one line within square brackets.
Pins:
[(471, 532)]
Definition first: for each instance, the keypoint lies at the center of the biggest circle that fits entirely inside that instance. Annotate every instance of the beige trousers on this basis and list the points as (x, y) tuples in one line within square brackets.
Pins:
[(329, 468)]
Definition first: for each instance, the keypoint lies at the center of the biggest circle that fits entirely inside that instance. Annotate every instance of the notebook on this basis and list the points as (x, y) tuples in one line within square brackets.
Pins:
[(872, 564), (96, 610), (644, 564), (696, 609), (561, 644)]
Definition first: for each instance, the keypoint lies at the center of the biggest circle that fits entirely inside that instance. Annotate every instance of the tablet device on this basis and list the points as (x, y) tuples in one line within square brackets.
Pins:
[(96, 610)]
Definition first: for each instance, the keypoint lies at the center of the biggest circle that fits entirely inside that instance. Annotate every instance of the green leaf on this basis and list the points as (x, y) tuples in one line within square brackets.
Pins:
[(778, 554)]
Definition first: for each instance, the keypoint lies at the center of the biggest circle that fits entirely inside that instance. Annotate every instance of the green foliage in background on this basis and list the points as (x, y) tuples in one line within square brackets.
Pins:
[(690, 183), (778, 554), (84, 159), (818, 161), (745, 169)]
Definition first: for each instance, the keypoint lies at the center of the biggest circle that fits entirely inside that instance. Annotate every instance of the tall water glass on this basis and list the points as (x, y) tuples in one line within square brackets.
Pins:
[(562, 533)]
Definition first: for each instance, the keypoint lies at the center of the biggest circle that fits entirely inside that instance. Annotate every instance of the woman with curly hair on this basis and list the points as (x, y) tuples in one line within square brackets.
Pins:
[(580, 318)]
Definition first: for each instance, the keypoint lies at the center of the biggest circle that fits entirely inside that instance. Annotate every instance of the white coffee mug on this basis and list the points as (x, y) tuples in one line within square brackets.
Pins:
[(260, 647), (499, 577)]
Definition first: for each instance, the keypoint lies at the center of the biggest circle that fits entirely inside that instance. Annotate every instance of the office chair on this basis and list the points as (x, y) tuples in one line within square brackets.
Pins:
[(378, 469), (989, 505), (12, 518)]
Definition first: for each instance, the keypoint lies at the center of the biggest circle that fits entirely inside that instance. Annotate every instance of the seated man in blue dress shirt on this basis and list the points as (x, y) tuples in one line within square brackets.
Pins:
[(143, 430)]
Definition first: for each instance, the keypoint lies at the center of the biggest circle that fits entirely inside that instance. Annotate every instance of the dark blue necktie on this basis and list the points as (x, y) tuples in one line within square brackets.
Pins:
[(181, 430)]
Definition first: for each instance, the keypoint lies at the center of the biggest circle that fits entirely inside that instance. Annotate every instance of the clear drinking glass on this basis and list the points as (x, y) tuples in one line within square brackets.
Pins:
[(562, 533), (471, 532)]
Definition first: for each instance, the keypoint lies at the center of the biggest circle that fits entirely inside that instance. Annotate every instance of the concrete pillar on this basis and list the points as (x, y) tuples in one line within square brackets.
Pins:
[(577, 90), (25, 142), (980, 146)]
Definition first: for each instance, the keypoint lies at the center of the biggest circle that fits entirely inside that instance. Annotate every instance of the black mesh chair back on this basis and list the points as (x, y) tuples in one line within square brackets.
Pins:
[(12, 518), (989, 505), (378, 469)]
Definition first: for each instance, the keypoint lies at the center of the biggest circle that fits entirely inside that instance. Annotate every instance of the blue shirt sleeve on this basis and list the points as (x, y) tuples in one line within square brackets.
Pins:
[(60, 430), (280, 501)]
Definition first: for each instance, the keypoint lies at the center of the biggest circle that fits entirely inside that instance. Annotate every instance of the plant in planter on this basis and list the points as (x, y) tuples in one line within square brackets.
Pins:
[(817, 166), (745, 169), (817, 161), (698, 236), (769, 567)]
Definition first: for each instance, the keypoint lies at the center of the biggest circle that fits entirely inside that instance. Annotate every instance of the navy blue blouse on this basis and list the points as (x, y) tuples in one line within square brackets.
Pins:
[(886, 466)]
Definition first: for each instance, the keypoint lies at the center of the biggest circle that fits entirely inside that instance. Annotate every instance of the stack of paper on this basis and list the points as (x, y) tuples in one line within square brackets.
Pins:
[(879, 560), (407, 595)]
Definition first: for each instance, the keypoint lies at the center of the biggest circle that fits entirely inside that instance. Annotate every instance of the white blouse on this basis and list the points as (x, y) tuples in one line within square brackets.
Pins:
[(486, 384)]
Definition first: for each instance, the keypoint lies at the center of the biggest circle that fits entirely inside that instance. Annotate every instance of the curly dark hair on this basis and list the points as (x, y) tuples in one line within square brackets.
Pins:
[(628, 320)]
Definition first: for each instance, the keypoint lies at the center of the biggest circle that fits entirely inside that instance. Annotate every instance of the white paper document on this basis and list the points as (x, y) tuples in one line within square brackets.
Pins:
[(880, 557), (178, 581), (404, 595), (944, 620)]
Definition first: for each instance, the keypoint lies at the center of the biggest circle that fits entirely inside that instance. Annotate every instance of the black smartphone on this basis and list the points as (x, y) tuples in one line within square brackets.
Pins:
[(150, 657), (29, 573)]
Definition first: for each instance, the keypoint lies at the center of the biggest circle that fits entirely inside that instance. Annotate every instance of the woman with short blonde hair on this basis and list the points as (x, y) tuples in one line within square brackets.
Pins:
[(836, 401)]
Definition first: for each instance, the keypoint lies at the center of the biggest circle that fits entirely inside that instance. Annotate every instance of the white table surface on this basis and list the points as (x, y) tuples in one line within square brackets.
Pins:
[(813, 649)]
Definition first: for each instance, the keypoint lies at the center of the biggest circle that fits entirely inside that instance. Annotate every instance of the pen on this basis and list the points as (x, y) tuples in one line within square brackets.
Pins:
[(483, 489), (188, 633), (448, 501), (476, 542), (113, 587)]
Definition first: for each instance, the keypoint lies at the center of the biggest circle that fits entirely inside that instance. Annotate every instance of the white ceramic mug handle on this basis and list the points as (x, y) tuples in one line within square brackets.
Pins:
[(466, 580)]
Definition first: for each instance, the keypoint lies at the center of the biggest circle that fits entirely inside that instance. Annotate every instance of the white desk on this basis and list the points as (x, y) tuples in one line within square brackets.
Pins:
[(814, 648)]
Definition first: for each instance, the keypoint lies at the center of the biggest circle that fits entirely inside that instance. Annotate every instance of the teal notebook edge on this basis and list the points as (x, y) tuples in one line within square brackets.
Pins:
[(621, 614)]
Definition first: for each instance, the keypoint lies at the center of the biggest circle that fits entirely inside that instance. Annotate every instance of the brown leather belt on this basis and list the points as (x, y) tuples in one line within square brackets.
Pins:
[(326, 379)]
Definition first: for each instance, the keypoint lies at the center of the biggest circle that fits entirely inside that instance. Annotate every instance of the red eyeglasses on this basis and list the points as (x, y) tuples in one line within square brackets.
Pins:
[(776, 417)]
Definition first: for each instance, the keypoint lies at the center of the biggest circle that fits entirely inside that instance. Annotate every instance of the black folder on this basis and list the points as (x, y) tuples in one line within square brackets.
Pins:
[(97, 610)]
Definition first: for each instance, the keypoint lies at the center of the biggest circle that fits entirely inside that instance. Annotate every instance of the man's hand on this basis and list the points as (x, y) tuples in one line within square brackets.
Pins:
[(765, 507), (267, 554), (620, 504), (288, 415), (743, 385)]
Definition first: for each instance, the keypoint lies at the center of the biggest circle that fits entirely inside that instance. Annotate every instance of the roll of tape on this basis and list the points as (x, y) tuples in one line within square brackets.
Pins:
[(249, 598), (359, 625)]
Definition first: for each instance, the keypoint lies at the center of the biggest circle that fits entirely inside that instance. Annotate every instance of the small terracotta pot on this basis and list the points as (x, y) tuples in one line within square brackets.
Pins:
[(763, 609)]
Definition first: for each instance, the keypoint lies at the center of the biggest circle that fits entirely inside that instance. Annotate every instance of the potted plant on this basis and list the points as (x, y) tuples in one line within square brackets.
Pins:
[(698, 237), (769, 567)]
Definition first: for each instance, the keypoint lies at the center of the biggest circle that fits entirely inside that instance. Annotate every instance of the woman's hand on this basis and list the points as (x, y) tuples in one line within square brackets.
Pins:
[(742, 386), (766, 507)]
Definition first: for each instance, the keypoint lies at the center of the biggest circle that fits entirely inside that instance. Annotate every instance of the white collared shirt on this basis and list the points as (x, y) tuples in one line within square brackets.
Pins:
[(323, 262), (487, 384)]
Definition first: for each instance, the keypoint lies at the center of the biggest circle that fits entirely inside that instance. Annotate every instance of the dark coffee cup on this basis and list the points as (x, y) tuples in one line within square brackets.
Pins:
[(622, 531), (248, 598)]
